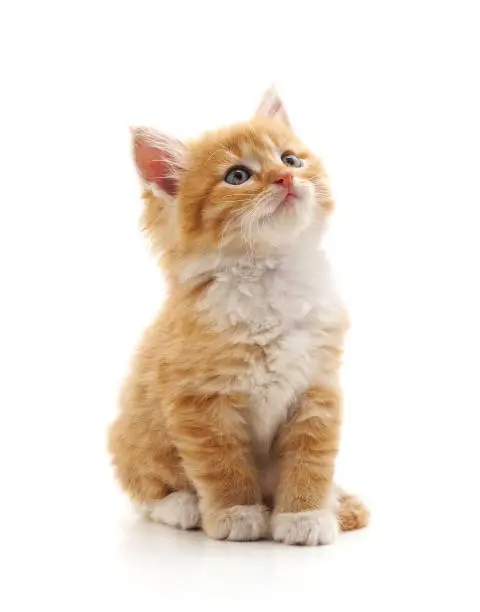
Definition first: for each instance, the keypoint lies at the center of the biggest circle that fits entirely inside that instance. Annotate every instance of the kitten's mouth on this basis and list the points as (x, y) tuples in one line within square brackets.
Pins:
[(289, 197), (287, 201)]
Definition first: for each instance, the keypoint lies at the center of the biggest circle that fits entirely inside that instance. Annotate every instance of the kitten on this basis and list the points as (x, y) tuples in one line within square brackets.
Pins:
[(230, 417)]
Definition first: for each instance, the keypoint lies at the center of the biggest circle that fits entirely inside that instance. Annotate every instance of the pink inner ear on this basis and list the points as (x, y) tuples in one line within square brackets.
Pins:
[(272, 106), (156, 166)]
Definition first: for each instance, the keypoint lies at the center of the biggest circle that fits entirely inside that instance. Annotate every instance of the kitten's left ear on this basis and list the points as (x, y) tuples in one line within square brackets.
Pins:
[(159, 158), (272, 106)]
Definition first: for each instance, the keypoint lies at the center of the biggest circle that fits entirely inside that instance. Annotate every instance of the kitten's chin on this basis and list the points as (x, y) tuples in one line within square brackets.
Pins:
[(285, 223), (291, 220)]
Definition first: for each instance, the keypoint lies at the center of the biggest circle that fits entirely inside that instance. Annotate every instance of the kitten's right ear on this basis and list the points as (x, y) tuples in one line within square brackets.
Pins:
[(159, 158), (272, 106)]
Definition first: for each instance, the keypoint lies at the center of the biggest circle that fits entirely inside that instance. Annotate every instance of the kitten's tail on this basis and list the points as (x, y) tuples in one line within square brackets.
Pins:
[(352, 513)]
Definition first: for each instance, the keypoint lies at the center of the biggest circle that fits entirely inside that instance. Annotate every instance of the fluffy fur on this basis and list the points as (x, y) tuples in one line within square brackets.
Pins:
[(230, 417)]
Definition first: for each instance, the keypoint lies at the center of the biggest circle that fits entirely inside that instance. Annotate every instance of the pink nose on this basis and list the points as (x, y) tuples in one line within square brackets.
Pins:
[(285, 180)]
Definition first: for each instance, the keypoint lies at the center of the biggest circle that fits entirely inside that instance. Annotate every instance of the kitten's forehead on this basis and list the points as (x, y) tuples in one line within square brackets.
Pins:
[(250, 143), (253, 152)]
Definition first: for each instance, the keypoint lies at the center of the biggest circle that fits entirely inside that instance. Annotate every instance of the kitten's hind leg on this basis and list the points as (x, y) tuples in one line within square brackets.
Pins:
[(178, 509), (149, 469)]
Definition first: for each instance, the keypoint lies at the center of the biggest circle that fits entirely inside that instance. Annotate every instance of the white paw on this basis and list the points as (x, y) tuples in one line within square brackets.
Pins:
[(310, 528), (179, 509), (239, 523)]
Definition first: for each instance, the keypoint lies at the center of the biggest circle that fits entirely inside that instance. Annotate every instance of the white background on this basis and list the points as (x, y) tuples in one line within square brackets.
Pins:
[(388, 94)]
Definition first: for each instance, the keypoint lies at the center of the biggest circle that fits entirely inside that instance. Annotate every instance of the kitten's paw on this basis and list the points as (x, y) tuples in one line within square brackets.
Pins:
[(239, 523), (179, 509), (309, 528)]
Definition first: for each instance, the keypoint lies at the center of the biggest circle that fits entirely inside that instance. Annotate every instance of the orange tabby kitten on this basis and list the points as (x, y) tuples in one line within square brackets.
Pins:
[(230, 418)]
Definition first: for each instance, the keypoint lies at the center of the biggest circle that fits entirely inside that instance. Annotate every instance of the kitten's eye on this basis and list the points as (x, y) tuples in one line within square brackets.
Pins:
[(289, 159), (237, 175)]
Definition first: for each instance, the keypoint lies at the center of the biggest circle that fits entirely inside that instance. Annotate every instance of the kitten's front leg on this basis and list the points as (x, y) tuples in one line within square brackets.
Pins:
[(211, 436), (304, 511)]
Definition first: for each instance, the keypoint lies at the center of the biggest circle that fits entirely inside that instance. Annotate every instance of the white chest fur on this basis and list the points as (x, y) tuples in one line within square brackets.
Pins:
[(275, 380), (285, 304)]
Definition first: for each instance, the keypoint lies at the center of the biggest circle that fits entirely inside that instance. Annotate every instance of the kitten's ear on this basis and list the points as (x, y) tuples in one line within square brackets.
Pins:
[(272, 106), (159, 158)]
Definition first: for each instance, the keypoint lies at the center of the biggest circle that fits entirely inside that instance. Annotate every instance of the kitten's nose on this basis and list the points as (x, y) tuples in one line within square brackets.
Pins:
[(285, 180)]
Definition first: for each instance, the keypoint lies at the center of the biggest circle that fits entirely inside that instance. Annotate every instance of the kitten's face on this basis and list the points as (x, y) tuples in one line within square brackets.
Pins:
[(253, 187)]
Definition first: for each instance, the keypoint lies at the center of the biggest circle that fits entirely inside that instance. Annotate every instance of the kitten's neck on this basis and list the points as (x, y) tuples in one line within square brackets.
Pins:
[(261, 298), (302, 258)]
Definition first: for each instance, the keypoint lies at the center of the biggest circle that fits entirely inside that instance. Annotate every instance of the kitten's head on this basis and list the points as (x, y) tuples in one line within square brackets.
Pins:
[(252, 187)]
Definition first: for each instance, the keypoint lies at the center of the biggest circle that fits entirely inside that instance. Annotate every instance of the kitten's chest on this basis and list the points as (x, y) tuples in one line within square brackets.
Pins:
[(281, 309), (274, 381)]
